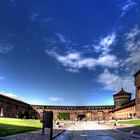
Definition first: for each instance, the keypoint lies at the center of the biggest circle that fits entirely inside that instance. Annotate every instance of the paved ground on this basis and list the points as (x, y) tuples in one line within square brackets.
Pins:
[(34, 135), (85, 131), (80, 131), (93, 131)]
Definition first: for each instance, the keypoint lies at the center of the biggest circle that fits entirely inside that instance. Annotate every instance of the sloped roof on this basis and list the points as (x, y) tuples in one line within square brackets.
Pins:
[(137, 72), (122, 92), (13, 99)]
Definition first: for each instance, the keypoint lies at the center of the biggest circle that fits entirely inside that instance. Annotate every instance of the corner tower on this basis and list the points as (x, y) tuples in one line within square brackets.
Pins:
[(137, 85), (121, 97)]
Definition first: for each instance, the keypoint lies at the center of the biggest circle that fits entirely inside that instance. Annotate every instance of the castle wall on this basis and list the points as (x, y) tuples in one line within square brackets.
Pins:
[(100, 113), (125, 113), (12, 108), (137, 85)]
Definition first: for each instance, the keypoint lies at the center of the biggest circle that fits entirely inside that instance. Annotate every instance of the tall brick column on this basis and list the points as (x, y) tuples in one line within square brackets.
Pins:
[(137, 85)]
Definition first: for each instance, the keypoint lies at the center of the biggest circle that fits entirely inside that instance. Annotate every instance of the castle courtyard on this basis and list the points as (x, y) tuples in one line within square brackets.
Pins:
[(82, 130), (69, 70), (86, 122)]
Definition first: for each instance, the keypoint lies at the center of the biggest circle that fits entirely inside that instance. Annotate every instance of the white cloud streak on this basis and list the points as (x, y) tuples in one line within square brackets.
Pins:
[(129, 4), (132, 47), (105, 44), (61, 37), (34, 16), (5, 48), (77, 61), (109, 80), (73, 70), (54, 99), (114, 82)]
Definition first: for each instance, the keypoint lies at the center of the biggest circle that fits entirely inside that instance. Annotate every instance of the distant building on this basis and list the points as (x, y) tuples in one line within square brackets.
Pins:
[(123, 108)]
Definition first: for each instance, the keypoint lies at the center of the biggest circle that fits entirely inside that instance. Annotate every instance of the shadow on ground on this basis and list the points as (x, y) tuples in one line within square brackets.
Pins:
[(113, 133), (125, 133)]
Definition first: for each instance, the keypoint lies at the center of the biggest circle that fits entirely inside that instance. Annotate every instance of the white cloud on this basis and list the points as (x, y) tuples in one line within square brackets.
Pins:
[(129, 4), (114, 82), (133, 33), (76, 60), (108, 40), (45, 21), (132, 47), (54, 99), (105, 44), (73, 61), (5, 48), (34, 16), (134, 58), (60, 43), (8, 94), (110, 80), (108, 61), (73, 56), (61, 37), (72, 70)]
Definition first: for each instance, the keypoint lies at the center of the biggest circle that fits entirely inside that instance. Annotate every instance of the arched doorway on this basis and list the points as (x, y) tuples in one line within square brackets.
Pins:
[(82, 117)]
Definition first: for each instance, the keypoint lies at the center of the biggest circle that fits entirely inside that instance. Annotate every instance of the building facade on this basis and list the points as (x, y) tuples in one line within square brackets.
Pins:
[(78, 112), (137, 85), (10, 107), (123, 108)]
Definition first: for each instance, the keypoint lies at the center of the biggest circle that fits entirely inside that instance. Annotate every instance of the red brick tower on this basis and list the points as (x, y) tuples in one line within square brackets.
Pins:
[(121, 97)]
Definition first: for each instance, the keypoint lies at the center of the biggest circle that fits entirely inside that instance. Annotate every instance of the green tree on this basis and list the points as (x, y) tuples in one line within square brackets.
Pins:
[(64, 116)]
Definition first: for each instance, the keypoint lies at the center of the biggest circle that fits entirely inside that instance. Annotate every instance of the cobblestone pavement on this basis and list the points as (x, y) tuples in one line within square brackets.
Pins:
[(85, 131)]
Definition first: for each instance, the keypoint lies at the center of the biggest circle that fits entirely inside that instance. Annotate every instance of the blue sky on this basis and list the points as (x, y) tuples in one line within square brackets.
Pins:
[(68, 52)]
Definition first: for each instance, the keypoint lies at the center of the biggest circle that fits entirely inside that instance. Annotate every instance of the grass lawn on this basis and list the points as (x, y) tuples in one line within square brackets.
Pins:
[(131, 122), (10, 126)]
